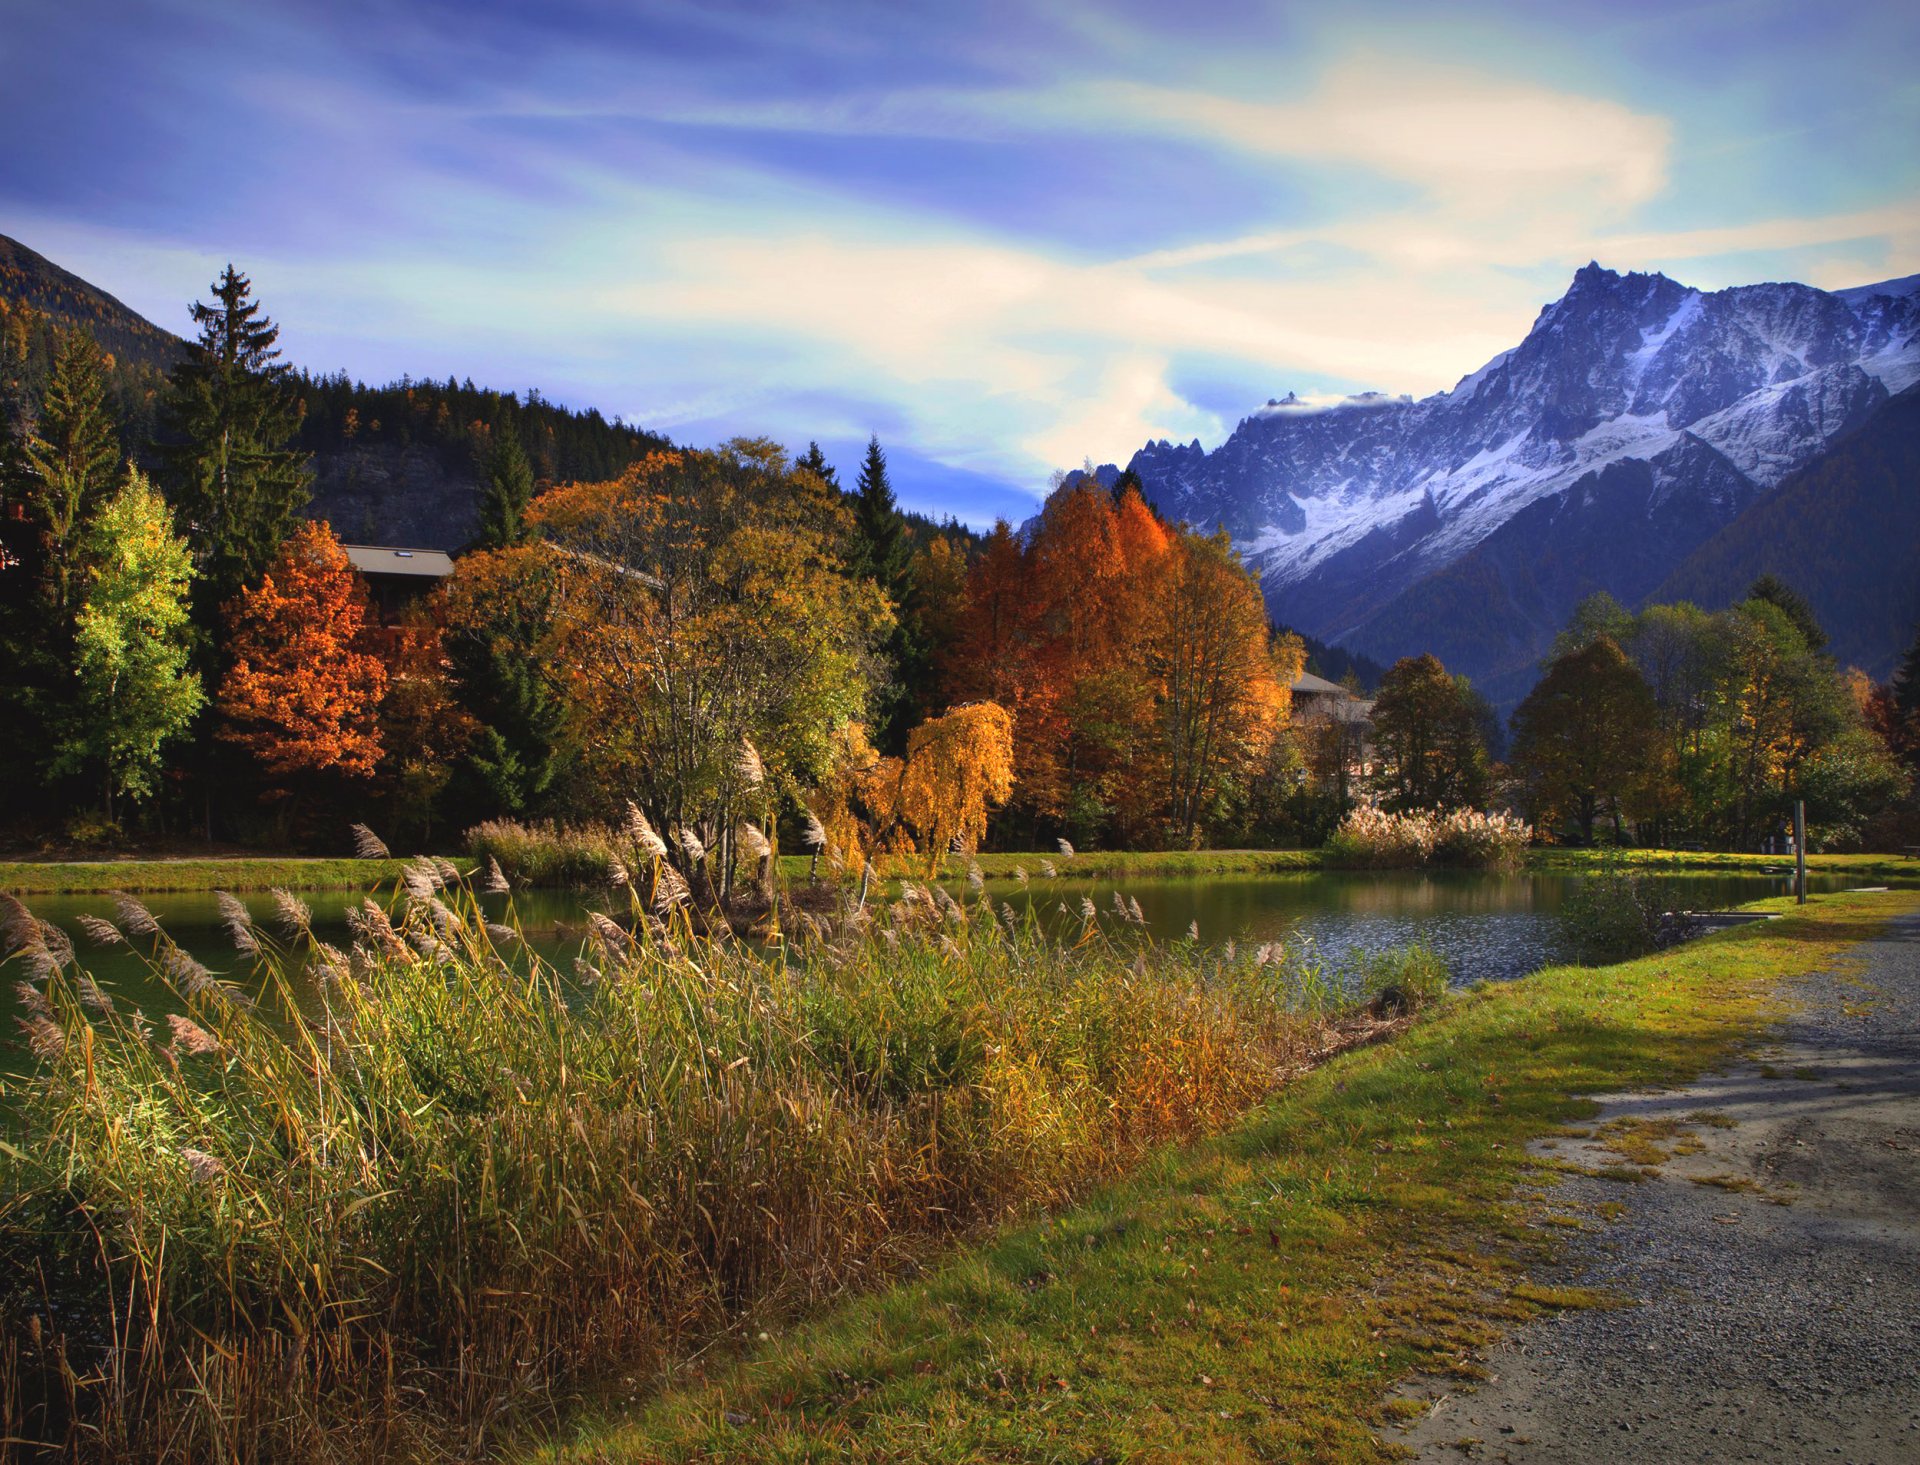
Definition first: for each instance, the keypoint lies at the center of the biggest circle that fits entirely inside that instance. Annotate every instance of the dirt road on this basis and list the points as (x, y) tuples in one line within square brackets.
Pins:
[(1772, 1242)]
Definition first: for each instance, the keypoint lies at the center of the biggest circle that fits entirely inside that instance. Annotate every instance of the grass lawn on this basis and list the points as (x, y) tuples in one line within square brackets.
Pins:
[(1254, 1297)]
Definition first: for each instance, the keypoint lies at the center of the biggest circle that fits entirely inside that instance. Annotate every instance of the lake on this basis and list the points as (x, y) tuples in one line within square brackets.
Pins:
[(1488, 926)]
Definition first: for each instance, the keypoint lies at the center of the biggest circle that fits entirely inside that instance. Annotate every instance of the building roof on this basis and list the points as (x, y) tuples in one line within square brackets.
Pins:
[(1314, 686), (380, 559)]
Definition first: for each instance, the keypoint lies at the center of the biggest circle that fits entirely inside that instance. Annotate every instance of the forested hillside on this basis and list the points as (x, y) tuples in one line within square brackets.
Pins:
[(1846, 529)]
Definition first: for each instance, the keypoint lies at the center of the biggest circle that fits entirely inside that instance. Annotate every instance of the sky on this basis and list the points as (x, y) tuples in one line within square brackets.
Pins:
[(1005, 238)]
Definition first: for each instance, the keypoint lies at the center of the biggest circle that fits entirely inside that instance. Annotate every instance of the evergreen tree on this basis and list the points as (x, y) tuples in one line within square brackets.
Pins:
[(882, 553), (506, 487), (68, 463), (815, 462), (130, 645), (882, 550), (1906, 679), (1798, 609), (230, 417)]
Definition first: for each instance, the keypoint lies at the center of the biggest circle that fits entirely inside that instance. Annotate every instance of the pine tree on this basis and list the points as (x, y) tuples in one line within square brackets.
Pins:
[(882, 551), (1775, 591), (506, 487), (130, 644), (229, 417), (69, 462), (1906, 679), (815, 462)]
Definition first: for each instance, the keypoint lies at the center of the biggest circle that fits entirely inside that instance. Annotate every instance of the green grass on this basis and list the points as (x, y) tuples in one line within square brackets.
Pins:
[(1252, 1297), (1861, 865), (154, 877), (30, 877)]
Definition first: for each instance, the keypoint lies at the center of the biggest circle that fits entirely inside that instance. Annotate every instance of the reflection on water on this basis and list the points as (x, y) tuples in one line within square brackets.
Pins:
[(1486, 926)]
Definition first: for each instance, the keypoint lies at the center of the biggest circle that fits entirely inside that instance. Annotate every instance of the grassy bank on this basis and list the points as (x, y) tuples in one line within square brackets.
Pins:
[(1862, 866), (23, 877), (378, 1229), (159, 877), (1252, 1297)]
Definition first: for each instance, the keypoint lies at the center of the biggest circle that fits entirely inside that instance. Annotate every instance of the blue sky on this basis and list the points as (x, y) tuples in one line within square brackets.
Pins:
[(1005, 237)]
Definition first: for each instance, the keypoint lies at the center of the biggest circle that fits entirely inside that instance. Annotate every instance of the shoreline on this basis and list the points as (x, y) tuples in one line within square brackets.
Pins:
[(1263, 1293), (249, 872)]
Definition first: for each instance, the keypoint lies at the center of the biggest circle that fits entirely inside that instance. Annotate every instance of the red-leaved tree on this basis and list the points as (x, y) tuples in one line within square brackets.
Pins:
[(301, 698)]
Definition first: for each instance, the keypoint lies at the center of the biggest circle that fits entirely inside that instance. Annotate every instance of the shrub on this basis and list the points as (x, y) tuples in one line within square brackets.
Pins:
[(1370, 838), (1617, 913), (1404, 979)]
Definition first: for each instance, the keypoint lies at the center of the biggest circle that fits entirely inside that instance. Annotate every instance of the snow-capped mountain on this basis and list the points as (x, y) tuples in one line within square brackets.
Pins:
[(1637, 409)]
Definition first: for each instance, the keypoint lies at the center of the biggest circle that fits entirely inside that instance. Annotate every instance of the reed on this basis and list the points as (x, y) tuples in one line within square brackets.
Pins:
[(374, 1204), (544, 853)]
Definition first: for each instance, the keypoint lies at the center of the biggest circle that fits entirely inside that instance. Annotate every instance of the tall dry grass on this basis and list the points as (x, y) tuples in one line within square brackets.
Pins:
[(371, 1204)]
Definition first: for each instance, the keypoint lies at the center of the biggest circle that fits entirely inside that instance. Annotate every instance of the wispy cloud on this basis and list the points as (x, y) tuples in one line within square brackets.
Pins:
[(1003, 238)]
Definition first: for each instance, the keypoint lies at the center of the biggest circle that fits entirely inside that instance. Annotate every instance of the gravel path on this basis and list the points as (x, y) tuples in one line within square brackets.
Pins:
[(1779, 1314)]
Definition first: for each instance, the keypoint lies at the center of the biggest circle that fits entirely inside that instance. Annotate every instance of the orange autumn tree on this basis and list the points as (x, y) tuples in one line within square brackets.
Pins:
[(1145, 685), (1224, 682), (301, 698)]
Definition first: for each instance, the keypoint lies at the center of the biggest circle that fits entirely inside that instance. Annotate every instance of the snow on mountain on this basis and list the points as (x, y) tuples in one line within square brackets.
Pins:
[(1344, 508)]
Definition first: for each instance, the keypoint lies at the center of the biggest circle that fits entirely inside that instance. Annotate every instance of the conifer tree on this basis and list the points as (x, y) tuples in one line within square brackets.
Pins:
[(1775, 591), (506, 487), (1906, 678), (68, 466), (815, 462), (229, 418), (130, 644), (882, 551)]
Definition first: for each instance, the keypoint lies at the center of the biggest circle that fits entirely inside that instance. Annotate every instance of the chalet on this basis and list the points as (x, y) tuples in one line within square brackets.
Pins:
[(1336, 728), (396, 578), (1316, 698)]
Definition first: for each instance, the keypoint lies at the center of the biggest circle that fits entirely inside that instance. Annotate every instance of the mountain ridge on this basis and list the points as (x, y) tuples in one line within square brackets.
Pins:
[(1346, 511)]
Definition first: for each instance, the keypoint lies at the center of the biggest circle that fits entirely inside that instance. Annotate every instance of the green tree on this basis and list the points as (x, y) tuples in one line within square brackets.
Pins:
[(1796, 607), (131, 644), (506, 486), (815, 462), (881, 550), (1906, 679), (499, 608), (229, 418), (1596, 616), (69, 460), (881, 553), (1586, 740), (1427, 729)]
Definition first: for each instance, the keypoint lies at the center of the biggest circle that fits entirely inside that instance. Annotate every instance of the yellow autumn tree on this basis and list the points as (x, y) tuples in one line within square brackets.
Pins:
[(958, 767)]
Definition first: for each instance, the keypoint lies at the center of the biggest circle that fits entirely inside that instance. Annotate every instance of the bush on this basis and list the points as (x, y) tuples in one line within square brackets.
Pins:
[(1405, 980), (1617, 913), (1370, 838)]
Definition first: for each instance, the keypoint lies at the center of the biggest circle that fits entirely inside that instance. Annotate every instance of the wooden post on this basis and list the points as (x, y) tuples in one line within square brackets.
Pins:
[(1800, 851)]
